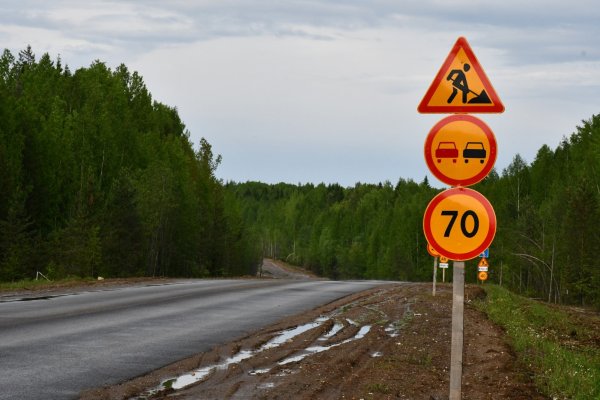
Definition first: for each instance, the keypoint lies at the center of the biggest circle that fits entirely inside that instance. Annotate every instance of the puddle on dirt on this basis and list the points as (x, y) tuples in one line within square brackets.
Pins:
[(291, 333), (188, 379), (319, 349), (283, 337), (200, 374), (334, 330), (392, 330), (361, 333), (255, 372)]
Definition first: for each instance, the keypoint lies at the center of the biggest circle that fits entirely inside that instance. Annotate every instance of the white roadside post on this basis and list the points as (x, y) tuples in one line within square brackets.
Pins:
[(456, 351), (435, 266)]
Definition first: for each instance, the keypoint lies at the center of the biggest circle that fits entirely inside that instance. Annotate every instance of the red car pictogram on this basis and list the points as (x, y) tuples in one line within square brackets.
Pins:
[(446, 150)]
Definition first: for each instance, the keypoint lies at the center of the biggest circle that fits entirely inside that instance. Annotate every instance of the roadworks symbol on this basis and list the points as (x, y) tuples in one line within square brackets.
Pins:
[(459, 83), (461, 86)]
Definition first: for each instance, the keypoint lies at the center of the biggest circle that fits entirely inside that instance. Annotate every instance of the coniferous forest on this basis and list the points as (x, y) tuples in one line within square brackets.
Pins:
[(546, 245), (97, 179)]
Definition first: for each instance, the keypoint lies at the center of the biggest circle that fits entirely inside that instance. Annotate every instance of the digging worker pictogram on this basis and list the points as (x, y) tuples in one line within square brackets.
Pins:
[(459, 82)]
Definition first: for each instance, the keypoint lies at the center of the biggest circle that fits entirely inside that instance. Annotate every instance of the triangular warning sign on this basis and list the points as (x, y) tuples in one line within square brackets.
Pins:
[(483, 263), (461, 86)]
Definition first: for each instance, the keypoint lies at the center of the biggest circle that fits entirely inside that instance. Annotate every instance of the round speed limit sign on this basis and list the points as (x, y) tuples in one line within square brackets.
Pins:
[(459, 223)]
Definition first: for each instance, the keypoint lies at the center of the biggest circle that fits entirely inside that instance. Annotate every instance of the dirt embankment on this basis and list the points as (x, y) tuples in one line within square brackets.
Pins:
[(280, 270), (388, 343)]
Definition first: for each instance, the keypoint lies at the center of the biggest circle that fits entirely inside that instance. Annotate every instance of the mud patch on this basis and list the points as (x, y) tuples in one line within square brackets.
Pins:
[(387, 343), (323, 343)]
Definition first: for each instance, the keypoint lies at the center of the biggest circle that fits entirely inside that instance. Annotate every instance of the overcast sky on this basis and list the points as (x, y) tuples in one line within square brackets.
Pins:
[(327, 91)]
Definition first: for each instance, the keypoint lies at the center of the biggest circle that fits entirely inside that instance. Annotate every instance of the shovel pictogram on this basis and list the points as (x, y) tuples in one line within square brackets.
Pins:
[(481, 98)]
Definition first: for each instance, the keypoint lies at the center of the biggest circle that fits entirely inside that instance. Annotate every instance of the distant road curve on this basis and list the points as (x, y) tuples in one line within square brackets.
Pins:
[(278, 270), (55, 347)]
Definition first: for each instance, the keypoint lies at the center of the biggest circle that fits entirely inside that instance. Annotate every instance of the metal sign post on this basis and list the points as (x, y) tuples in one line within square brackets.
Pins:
[(456, 351), (433, 252), (435, 266)]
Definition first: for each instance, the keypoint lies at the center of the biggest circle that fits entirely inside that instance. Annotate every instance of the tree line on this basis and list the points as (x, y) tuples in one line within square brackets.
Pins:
[(546, 245), (96, 178)]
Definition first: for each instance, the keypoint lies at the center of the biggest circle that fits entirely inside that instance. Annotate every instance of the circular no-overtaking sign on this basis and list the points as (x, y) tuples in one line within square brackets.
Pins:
[(459, 223), (460, 150)]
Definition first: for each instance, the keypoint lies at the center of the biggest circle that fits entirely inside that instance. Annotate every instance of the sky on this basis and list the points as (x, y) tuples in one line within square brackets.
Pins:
[(327, 90)]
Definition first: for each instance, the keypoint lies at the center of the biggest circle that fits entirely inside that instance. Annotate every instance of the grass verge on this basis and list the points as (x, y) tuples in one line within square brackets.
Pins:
[(560, 348), (41, 283)]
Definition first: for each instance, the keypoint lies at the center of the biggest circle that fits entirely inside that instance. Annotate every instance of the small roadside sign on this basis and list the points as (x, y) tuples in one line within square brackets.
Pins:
[(483, 265), (482, 276), (432, 252), (443, 265), (485, 254)]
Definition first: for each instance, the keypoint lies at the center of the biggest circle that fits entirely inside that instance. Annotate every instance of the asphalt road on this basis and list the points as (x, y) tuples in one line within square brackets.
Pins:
[(54, 348)]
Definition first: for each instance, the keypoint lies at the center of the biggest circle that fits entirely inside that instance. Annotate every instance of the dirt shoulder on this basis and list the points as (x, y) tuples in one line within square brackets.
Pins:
[(392, 342)]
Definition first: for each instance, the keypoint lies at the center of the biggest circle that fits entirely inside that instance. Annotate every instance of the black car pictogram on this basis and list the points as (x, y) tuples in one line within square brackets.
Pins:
[(474, 150)]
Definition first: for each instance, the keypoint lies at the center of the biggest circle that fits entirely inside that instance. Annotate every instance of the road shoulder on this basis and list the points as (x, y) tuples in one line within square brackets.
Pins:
[(404, 353)]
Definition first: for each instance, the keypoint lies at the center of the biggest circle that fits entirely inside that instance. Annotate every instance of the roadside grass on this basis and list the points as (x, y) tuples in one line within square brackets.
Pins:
[(560, 350), (380, 388)]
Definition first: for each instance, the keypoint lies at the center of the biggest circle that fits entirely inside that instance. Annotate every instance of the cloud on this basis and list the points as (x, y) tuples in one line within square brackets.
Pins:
[(347, 107), (536, 32), (17, 37), (327, 90), (112, 21), (85, 31)]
